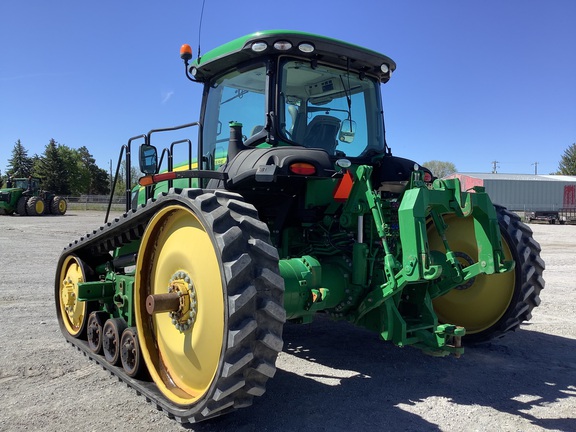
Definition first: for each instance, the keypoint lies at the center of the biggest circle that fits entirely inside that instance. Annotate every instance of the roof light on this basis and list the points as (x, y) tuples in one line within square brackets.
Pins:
[(282, 45), (427, 177), (303, 168), (385, 68), (306, 47), (185, 52), (193, 71), (259, 46)]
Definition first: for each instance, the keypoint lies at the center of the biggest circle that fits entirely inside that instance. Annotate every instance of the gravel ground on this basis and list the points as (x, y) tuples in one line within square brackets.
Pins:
[(331, 376)]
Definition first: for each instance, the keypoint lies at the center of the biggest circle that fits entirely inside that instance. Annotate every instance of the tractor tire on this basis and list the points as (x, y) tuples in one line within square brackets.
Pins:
[(21, 206), (491, 305), (58, 205), (219, 348), (35, 206)]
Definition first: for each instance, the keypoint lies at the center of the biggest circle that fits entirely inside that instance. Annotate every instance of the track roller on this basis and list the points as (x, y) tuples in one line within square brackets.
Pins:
[(130, 354), (95, 332), (112, 332)]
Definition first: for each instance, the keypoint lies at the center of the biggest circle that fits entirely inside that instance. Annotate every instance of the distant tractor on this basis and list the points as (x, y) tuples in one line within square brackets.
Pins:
[(24, 196)]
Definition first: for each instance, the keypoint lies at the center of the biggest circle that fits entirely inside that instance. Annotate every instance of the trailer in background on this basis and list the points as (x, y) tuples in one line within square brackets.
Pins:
[(542, 198)]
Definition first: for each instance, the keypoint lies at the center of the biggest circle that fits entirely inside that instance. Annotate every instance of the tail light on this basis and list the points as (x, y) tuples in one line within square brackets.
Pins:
[(302, 168)]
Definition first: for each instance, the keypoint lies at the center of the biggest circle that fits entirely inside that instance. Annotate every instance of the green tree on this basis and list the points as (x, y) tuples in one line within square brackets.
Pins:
[(95, 179), (19, 165), (100, 181), (135, 174), (52, 169), (78, 176), (440, 168), (567, 165)]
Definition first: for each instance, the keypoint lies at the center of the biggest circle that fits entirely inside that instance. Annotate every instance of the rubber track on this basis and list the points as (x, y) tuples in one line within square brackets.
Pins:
[(253, 339), (529, 270)]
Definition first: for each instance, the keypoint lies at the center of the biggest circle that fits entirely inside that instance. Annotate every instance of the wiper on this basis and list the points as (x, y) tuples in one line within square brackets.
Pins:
[(239, 94), (325, 109), (347, 93)]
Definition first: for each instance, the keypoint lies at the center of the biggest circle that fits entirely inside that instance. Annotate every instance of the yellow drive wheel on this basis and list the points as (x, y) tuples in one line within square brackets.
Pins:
[(58, 206), (180, 250), (490, 305), (196, 305), (35, 206), (72, 312)]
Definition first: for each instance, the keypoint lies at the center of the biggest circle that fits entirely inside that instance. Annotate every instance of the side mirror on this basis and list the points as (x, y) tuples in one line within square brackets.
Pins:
[(148, 159), (347, 131)]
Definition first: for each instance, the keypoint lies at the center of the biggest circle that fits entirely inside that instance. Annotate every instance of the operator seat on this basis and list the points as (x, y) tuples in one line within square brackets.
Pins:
[(322, 132)]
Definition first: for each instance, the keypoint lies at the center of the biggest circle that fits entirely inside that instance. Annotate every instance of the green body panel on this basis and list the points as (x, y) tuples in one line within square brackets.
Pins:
[(9, 198), (311, 287)]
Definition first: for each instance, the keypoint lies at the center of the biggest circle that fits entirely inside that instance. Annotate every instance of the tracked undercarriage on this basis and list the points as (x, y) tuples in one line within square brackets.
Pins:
[(255, 301)]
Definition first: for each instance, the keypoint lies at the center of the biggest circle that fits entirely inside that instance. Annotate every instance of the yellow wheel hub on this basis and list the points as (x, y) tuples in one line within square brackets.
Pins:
[(182, 348), (478, 305), (62, 206), (72, 310), (39, 206), (184, 317)]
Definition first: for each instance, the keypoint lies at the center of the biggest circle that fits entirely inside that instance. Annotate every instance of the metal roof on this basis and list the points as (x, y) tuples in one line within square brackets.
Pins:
[(521, 177)]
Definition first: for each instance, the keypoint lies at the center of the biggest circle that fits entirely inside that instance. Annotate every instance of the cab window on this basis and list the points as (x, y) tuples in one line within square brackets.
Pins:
[(328, 108), (238, 96)]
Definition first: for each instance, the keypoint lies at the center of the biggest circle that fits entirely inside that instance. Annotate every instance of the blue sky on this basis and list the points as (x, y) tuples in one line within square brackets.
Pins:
[(477, 81)]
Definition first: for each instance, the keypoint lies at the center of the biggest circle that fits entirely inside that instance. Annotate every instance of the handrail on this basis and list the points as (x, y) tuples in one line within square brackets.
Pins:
[(128, 182), (126, 150)]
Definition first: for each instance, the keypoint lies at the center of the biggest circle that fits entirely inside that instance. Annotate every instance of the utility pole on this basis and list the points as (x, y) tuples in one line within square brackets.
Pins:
[(535, 168), (495, 167)]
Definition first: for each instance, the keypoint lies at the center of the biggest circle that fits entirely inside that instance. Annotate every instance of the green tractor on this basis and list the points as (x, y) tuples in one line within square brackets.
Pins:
[(288, 204), (24, 196)]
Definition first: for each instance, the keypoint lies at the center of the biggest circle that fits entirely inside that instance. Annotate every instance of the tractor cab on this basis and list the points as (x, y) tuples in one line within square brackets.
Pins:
[(287, 89), (30, 186), (292, 89)]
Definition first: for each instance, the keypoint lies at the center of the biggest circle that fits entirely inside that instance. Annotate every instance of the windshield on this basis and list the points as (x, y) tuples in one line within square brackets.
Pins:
[(25, 184), (318, 107), (324, 107)]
